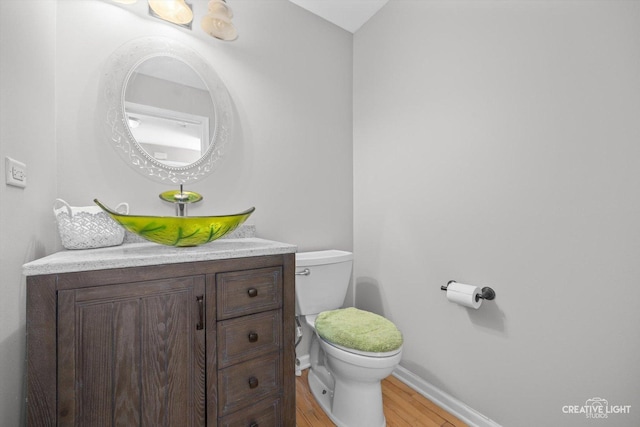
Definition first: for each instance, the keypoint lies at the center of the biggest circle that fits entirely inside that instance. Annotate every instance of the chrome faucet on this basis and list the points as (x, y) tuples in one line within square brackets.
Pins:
[(181, 199)]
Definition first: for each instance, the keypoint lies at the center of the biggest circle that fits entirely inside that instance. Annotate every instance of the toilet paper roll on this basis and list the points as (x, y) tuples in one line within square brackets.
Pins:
[(464, 294)]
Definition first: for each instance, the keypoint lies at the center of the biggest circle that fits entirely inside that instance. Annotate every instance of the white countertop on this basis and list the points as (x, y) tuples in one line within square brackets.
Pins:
[(140, 254)]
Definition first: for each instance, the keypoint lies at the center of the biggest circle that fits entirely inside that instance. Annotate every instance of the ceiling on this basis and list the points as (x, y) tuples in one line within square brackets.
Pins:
[(347, 14)]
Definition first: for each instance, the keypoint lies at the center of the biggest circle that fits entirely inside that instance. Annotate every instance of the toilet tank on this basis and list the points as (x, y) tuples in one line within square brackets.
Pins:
[(322, 279)]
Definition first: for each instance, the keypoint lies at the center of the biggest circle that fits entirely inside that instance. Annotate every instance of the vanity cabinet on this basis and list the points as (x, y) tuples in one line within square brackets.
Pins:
[(206, 343)]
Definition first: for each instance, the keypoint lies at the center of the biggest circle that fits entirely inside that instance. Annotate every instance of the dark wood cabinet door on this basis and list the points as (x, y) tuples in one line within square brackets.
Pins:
[(132, 354)]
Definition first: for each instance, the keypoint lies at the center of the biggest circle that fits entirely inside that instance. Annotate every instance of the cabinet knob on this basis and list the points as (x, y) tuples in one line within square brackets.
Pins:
[(253, 382), (253, 337), (252, 292)]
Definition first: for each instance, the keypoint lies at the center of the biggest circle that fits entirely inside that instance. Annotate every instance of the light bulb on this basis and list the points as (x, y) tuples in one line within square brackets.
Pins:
[(217, 23), (175, 11)]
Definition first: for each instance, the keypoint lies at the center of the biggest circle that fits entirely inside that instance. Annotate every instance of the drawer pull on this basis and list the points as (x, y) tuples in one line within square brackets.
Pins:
[(253, 382), (252, 292), (200, 301), (254, 424), (253, 337)]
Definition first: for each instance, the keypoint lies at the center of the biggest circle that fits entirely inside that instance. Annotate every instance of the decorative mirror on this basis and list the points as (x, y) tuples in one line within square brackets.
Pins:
[(168, 114)]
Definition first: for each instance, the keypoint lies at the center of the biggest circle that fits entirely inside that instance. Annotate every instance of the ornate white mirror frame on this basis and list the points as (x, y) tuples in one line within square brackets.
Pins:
[(118, 71)]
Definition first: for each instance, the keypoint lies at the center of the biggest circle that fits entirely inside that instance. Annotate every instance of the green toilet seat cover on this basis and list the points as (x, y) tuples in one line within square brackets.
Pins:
[(358, 330)]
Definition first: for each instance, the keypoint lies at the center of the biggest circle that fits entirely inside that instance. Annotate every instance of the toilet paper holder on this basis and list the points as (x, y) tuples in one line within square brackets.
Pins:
[(487, 293)]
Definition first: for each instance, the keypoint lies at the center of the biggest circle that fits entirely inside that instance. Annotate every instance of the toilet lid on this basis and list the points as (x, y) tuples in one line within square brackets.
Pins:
[(359, 330)]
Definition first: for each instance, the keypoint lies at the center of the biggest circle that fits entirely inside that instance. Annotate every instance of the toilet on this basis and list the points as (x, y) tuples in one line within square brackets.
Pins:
[(351, 350)]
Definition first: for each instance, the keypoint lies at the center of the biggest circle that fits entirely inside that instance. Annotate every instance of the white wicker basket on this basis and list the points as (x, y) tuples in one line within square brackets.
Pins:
[(87, 227)]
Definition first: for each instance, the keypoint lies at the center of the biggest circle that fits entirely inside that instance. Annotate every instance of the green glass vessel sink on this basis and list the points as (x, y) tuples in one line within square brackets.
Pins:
[(179, 230)]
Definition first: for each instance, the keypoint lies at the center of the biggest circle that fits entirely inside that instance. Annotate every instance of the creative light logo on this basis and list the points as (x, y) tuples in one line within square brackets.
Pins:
[(596, 407)]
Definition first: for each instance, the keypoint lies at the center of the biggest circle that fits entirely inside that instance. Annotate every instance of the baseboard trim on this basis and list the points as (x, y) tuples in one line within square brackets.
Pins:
[(304, 362), (444, 400)]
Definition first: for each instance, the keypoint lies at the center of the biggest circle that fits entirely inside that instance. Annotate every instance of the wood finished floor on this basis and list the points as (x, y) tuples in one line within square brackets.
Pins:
[(403, 407)]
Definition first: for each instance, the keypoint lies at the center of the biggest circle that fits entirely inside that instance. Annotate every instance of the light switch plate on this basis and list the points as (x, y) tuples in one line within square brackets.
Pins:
[(15, 172)]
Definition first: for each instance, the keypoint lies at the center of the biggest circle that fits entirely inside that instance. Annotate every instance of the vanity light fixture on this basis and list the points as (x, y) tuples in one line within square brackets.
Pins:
[(175, 11), (217, 23)]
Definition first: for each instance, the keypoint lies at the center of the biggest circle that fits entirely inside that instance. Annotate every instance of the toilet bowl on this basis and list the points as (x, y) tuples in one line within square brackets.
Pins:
[(344, 380)]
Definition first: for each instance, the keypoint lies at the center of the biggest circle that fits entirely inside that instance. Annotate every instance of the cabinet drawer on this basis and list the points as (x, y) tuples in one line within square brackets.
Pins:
[(244, 384), (246, 337), (250, 291), (262, 414)]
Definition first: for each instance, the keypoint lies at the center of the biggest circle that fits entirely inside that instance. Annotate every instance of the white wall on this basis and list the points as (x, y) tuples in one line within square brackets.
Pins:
[(497, 143), (289, 76), (27, 134)]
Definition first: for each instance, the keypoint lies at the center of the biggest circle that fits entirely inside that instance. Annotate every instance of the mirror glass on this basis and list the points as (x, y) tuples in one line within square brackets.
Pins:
[(169, 115), (168, 109)]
